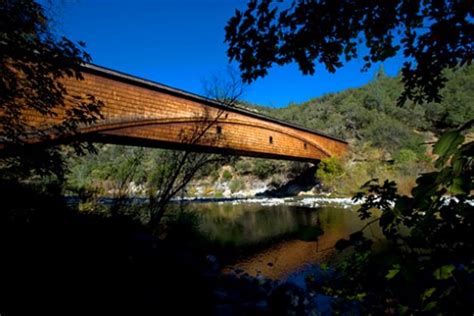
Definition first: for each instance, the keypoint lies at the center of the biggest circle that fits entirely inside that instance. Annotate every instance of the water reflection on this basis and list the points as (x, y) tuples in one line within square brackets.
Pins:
[(266, 239), (245, 225)]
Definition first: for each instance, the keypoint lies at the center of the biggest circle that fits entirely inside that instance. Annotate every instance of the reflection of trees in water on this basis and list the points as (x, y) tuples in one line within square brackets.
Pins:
[(269, 234), (248, 224), (290, 255)]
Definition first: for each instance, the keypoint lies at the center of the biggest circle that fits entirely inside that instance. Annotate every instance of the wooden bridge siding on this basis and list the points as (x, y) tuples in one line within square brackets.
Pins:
[(126, 102), (239, 138)]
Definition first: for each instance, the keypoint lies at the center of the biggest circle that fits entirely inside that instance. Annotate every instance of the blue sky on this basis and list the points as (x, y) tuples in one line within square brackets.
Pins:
[(180, 43)]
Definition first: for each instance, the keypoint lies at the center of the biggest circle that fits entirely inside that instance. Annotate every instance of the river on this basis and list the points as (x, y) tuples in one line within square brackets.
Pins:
[(274, 238)]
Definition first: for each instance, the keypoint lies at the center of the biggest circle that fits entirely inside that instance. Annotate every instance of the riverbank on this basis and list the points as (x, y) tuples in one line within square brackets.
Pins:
[(308, 201)]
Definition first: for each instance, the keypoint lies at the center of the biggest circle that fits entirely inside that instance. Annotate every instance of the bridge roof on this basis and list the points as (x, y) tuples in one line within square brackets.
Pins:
[(117, 75)]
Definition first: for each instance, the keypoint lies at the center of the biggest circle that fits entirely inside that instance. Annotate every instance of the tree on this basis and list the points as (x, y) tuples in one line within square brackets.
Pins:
[(226, 87), (33, 61), (429, 266), (177, 168), (433, 36), (380, 73)]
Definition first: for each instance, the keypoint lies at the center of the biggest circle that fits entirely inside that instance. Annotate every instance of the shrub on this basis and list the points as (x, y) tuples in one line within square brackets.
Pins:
[(329, 170), (236, 185), (226, 175), (296, 168), (263, 168), (404, 156), (243, 166), (214, 175), (406, 163)]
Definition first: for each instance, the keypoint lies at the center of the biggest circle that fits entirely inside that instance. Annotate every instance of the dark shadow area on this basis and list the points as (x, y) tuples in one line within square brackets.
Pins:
[(56, 260), (302, 183)]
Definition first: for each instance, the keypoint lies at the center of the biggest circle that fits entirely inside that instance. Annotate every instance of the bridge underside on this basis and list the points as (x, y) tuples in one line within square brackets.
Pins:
[(144, 113), (126, 140), (220, 134), (109, 139)]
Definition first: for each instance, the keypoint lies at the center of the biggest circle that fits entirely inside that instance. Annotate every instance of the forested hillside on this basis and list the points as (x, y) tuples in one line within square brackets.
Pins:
[(370, 113), (387, 141)]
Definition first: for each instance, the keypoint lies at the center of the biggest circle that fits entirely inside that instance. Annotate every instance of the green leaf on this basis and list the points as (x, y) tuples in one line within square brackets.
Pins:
[(393, 272), (458, 186), (429, 306), (445, 272), (324, 266), (427, 294), (446, 145), (403, 309), (458, 165), (358, 297)]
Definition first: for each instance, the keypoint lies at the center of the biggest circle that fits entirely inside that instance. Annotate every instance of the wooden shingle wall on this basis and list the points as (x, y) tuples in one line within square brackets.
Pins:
[(143, 113)]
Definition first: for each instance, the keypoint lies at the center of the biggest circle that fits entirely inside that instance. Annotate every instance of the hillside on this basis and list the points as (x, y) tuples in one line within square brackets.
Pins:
[(370, 113)]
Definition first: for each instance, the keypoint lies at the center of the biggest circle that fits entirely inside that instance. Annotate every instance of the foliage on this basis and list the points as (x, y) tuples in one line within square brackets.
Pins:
[(236, 185), (428, 232), (393, 134), (263, 168), (266, 168), (243, 166), (354, 115), (364, 162), (433, 36), (226, 175), (348, 115), (110, 165), (385, 128), (457, 106), (33, 62), (404, 157), (406, 163), (177, 168), (329, 170), (218, 194), (117, 170)]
